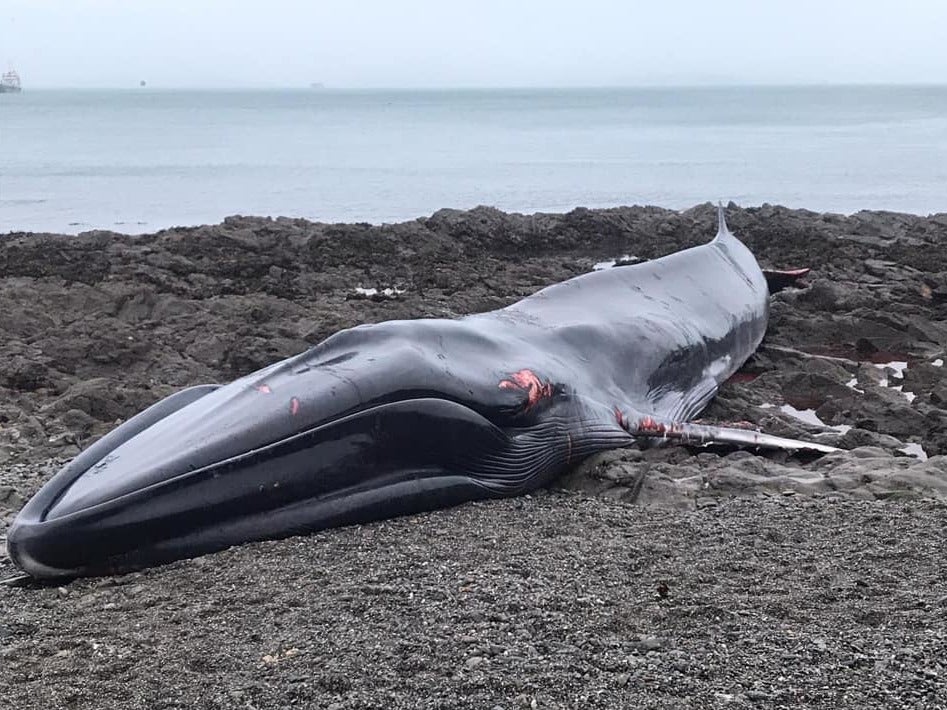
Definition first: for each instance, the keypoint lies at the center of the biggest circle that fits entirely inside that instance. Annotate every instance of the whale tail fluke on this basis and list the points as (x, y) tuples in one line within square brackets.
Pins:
[(779, 279)]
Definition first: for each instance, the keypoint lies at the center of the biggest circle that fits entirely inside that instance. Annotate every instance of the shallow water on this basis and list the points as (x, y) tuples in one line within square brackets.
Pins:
[(139, 160)]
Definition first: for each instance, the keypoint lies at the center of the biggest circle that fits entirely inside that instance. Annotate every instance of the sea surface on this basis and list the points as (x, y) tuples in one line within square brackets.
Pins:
[(141, 160)]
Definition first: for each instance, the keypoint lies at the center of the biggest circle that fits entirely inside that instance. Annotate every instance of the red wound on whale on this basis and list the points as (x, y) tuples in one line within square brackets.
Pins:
[(651, 426), (647, 424), (294, 406), (527, 380), (263, 389)]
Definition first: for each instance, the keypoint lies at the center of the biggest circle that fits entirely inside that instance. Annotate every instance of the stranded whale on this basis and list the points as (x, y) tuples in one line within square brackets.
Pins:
[(405, 416)]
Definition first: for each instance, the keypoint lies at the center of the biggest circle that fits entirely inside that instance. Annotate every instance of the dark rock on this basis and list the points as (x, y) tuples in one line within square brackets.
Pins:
[(21, 373), (551, 593)]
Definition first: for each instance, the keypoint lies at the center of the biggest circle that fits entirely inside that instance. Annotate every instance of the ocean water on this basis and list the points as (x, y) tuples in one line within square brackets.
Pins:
[(140, 160)]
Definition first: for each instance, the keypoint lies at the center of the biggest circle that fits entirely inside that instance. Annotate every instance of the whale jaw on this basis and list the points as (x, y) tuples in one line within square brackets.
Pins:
[(394, 459)]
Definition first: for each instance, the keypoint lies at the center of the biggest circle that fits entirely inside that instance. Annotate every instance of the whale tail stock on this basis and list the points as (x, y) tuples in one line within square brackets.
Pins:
[(776, 279)]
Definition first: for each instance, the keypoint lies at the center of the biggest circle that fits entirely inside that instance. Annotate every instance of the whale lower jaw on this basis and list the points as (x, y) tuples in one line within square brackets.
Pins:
[(423, 454), (417, 493), (36, 568)]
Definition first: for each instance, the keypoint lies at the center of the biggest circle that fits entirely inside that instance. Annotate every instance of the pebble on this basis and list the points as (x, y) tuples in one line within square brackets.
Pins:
[(727, 582), (650, 643)]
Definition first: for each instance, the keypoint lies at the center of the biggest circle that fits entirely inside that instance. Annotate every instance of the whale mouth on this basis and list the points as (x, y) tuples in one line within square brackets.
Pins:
[(392, 459)]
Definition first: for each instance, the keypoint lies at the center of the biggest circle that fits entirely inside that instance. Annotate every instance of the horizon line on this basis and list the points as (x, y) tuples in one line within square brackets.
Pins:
[(485, 87)]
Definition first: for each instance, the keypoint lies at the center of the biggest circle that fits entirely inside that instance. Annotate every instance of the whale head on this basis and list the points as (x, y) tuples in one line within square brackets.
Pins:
[(376, 421)]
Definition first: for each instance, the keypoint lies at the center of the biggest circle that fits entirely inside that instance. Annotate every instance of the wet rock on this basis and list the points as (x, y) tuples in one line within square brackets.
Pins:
[(824, 295), (22, 373), (99, 399), (99, 326), (78, 422), (650, 643)]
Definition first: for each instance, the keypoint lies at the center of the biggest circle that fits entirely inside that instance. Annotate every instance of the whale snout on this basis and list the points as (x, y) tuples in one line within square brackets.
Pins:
[(28, 552), (375, 463), (334, 436)]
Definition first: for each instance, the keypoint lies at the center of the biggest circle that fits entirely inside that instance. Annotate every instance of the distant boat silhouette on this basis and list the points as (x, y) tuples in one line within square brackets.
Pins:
[(142, 83), (10, 83), (317, 85)]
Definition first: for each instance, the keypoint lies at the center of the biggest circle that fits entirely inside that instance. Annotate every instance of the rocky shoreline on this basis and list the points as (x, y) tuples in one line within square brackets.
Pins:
[(97, 326)]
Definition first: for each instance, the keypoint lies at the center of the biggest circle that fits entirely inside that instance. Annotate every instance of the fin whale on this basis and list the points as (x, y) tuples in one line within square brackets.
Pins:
[(412, 415)]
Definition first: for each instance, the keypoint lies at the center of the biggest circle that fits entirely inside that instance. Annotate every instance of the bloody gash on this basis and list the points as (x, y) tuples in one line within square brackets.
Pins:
[(405, 416)]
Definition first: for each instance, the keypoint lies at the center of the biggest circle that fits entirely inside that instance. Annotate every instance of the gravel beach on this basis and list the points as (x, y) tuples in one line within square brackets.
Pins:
[(670, 577)]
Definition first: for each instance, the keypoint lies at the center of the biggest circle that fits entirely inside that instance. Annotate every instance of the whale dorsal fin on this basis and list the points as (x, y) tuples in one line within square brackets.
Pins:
[(722, 229)]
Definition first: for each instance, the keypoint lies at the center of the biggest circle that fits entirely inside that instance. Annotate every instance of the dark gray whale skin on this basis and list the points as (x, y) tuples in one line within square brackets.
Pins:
[(403, 416)]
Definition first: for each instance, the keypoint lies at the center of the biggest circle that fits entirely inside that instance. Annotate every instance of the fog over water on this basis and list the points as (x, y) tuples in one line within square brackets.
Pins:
[(485, 43), (141, 115)]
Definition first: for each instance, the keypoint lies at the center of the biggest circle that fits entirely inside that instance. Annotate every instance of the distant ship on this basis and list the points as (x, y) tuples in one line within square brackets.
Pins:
[(10, 83)]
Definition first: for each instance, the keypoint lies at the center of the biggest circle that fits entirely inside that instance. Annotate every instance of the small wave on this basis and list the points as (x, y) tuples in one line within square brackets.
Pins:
[(24, 201)]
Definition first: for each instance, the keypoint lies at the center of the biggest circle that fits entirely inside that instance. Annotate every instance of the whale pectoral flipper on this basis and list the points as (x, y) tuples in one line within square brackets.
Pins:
[(702, 434)]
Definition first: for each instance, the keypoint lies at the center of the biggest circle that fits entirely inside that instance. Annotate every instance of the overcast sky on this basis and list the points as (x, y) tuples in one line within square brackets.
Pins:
[(435, 43)]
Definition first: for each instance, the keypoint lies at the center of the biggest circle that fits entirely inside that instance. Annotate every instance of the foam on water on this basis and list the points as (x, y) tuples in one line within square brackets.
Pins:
[(909, 396), (809, 417), (898, 367), (804, 415), (915, 450)]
